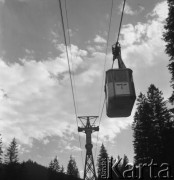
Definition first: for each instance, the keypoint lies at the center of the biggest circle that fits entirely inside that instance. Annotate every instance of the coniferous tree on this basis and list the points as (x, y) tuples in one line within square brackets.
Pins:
[(1, 163), (56, 166), (169, 38), (62, 169), (12, 153), (102, 160), (160, 119), (51, 173), (125, 162), (151, 121), (1, 150), (72, 168), (119, 159), (51, 167), (12, 167), (142, 129)]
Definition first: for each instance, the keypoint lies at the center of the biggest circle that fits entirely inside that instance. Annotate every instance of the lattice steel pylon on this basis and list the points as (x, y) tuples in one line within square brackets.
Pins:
[(88, 129)]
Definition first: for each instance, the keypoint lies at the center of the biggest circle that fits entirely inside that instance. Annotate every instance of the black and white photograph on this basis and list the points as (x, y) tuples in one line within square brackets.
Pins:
[(86, 89)]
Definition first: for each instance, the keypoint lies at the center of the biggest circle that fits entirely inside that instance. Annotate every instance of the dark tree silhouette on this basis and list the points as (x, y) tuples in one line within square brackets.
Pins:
[(62, 169), (125, 162), (160, 119), (102, 161), (56, 166), (12, 153), (13, 170), (51, 166), (72, 168), (142, 129), (1, 150), (1, 162), (169, 38), (151, 122), (12, 166)]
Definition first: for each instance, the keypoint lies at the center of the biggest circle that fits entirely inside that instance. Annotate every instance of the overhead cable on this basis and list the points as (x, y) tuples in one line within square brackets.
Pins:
[(106, 53), (124, 3), (69, 68)]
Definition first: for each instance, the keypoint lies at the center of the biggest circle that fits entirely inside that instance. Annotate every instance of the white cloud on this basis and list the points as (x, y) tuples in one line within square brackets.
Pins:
[(99, 39), (72, 148), (91, 49), (70, 32), (160, 11), (45, 141), (39, 95), (110, 127), (32, 101), (145, 37), (128, 9)]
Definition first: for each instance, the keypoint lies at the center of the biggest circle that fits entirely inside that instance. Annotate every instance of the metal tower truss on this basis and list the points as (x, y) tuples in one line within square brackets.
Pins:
[(88, 129)]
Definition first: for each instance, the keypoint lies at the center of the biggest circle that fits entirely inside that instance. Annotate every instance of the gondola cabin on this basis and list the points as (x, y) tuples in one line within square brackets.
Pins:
[(120, 92)]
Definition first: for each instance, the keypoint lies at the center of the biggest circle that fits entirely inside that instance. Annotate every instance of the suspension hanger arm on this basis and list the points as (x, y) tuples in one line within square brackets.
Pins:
[(116, 51)]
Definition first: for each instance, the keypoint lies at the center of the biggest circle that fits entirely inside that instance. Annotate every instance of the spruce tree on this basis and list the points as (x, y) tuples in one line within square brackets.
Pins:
[(51, 167), (102, 160), (54, 165), (169, 38), (161, 119), (151, 121), (125, 162), (1, 150), (12, 153), (72, 168), (142, 129), (62, 170)]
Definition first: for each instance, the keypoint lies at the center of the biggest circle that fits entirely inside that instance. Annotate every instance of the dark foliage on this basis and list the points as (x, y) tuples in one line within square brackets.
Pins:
[(1, 151), (102, 158), (169, 38), (30, 171), (153, 129), (54, 165), (72, 168), (11, 156)]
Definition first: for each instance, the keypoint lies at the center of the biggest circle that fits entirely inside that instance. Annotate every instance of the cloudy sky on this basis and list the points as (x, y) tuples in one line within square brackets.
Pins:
[(36, 104)]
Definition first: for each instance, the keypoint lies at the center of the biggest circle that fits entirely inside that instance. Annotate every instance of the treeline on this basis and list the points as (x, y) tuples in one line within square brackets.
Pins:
[(153, 128), (153, 132), (105, 165), (153, 124), (12, 169)]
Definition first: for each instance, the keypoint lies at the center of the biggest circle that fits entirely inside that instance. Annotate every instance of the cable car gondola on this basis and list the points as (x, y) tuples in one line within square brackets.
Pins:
[(119, 88)]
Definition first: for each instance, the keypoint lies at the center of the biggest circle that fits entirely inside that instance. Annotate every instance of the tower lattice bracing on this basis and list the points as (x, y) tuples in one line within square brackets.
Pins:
[(88, 129)]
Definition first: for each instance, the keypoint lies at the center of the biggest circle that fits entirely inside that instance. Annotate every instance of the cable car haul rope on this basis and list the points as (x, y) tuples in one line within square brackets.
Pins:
[(69, 68)]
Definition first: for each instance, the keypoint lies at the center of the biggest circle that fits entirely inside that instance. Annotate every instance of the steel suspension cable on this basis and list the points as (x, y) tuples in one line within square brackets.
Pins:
[(121, 20), (69, 41), (73, 78), (106, 56), (106, 52), (69, 68)]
